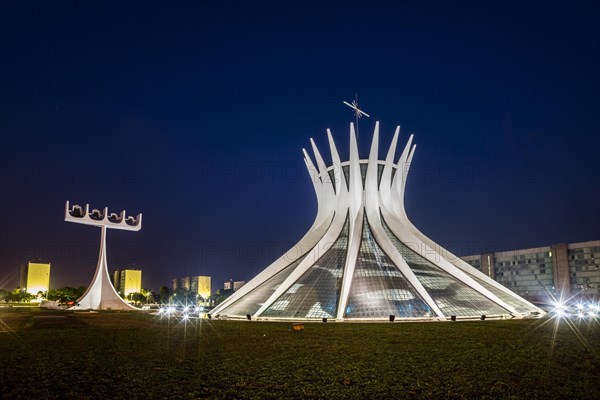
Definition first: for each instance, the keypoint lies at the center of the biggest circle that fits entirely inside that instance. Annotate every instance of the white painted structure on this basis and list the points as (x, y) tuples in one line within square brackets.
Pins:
[(100, 294), (363, 259)]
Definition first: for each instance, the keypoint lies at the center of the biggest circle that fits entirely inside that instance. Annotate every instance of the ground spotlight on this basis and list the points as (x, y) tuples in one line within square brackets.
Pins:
[(324, 319), (453, 318), (392, 318)]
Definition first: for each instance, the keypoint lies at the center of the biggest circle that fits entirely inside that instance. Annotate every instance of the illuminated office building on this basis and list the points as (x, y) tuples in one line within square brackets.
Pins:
[(235, 285), (560, 270), (200, 285), (127, 281), (35, 277), (181, 284)]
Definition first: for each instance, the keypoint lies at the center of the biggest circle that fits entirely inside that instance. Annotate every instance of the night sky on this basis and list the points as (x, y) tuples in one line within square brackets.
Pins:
[(195, 114)]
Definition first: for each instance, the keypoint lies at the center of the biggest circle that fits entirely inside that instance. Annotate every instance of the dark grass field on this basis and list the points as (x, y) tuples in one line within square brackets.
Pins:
[(62, 355)]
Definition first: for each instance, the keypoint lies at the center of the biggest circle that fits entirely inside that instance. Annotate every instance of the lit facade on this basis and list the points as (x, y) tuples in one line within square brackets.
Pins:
[(363, 259), (35, 277), (235, 285), (560, 269), (181, 284), (127, 281), (200, 285)]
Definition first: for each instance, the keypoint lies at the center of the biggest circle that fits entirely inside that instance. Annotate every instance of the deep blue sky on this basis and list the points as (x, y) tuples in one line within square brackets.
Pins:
[(195, 113)]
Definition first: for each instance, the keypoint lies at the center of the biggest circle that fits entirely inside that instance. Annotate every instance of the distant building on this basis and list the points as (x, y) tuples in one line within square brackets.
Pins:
[(181, 284), (566, 269), (127, 281), (201, 285), (35, 277), (194, 284), (235, 285)]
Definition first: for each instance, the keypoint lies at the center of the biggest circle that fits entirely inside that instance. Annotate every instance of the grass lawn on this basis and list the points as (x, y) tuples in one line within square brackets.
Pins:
[(63, 355)]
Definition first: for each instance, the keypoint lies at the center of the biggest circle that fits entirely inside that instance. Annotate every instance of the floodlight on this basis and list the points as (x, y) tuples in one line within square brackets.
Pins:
[(559, 312)]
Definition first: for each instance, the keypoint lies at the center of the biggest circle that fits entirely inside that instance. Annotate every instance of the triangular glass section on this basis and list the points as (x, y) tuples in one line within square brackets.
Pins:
[(253, 300), (394, 170), (519, 305), (332, 178), (316, 293), (363, 172), (378, 288), (346, 170), (379, 174), (450, 294)]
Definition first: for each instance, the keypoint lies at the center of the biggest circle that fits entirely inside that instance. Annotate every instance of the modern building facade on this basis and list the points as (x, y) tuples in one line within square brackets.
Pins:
[(235, 285), (127, 281), (35, 277), (200, 285), (181, 284), (363, 259), (560, 270)]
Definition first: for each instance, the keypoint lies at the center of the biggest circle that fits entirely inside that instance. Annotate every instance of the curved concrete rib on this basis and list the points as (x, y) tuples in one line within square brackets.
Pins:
[(100, 294), (307, 242), (373, 219), (385, 186), (340, 178)]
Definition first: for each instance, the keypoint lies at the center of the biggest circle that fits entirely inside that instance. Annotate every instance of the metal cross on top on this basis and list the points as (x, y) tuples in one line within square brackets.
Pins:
[(358, 113)]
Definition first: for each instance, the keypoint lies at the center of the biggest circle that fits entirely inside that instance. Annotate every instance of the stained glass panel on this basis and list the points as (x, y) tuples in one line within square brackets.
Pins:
[(252, 301), (451, 295), (379, 289), (316, 293)]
